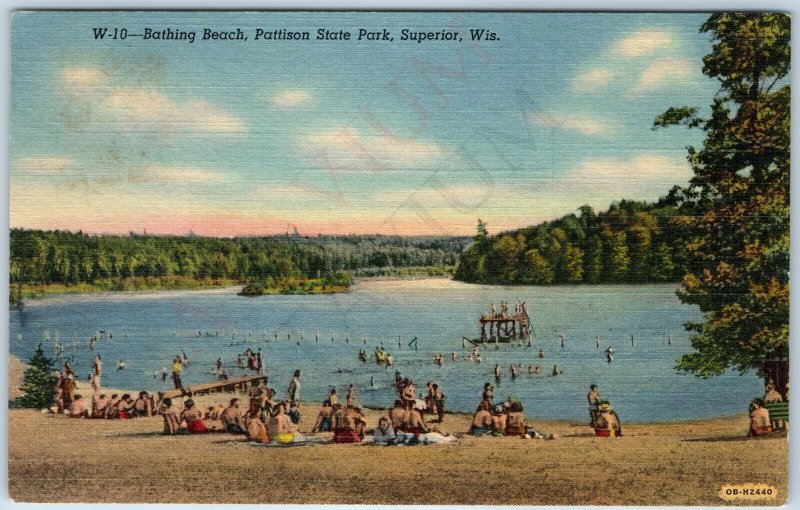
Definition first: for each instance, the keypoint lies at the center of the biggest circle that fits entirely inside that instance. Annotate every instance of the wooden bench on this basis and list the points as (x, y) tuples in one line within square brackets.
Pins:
[(239, 384), (778, 410)]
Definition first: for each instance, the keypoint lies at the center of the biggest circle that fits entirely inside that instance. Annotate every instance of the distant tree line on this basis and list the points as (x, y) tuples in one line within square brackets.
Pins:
[(44, 257), (631, 242)]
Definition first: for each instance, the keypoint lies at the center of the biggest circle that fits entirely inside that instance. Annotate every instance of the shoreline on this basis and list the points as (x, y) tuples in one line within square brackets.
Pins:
[(17, 367)]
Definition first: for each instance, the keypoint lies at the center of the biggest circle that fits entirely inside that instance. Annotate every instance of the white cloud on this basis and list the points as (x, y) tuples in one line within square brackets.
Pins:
[(647, 176), (134, 108), (82, 79), (592, 80), (581, 123), (348, 148), (291, 98), (643, 42), (665, 71), (45, 165), (145, 109), (176, 174)]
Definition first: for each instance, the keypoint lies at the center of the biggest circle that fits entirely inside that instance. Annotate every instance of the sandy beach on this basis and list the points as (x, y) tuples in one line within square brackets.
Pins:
[(130, 461)]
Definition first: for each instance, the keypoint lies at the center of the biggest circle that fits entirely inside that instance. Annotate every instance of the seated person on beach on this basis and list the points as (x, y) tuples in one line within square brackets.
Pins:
[(384, 433), (171, 420), (232, 419), (193, 418), (141, 406), (345, 425), (323, 423), (214, 412), (607, 424), (770, 397), (99, 403), (499, 420), (397, 414), (515, 425), (256, 430), (111, 407), (294, 412), (358, 418), (414, 423), (78, 408), (759, 419), (279, 427), (125, 407), (482, 421)]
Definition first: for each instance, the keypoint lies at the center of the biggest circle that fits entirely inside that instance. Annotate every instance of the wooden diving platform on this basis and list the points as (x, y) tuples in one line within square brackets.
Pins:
[(504, 326), (234, 384)]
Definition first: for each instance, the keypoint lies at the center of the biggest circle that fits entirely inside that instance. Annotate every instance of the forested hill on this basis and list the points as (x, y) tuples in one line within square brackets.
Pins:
[(48, 257), (631, 242)]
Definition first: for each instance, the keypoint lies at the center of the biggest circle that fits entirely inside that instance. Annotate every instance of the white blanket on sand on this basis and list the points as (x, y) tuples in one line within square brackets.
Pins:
[(403, 438)]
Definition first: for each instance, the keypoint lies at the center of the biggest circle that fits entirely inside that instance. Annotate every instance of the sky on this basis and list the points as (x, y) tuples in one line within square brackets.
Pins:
[(231, 138)]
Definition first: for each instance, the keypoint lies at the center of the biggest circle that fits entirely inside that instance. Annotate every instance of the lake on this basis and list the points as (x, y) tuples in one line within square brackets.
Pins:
[(148, 329)]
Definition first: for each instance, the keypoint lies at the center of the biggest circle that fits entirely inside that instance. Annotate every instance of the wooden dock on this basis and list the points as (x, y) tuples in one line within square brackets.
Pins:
[(234, 384)]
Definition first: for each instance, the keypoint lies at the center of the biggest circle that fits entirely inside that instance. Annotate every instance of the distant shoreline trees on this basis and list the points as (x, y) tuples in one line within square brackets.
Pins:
[(631, 242), (66, 258)]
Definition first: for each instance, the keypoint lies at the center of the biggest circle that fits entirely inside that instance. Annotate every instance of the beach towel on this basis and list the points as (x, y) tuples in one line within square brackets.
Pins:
[(299, 440), (196, 426), (346, 436)]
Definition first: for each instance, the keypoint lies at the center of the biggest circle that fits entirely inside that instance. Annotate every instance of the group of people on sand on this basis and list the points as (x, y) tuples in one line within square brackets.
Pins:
[(115, 408), (761, 423), (264, 420), (345, 421), (602, 417), (505, 419)]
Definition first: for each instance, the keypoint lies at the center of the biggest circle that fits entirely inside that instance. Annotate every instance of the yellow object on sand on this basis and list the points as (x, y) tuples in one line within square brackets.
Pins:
[(285, 438)]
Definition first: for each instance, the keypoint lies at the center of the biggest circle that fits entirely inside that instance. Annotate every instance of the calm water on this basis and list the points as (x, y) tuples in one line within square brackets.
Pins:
[(149, 329)]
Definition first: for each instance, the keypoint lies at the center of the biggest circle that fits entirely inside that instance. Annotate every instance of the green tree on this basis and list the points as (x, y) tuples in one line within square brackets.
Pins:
[(536, 269), (662, 268), (572, 264), (593, 260), (501, 262), (740, 185), (38, 382), (617, 261)]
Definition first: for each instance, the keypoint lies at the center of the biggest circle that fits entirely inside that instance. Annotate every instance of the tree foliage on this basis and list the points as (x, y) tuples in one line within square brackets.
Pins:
[(740, 192), (615, 246), (39, 257)]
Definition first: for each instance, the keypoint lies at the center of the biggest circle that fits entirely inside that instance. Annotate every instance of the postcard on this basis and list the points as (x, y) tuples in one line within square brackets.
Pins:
[(430, 258)]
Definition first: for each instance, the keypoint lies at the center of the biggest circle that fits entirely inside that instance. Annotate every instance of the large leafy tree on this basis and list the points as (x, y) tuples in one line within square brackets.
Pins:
[(740, 191)]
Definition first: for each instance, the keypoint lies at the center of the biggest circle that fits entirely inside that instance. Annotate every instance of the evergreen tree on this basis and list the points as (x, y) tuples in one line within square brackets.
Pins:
[(38, 381), (740, 239)]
